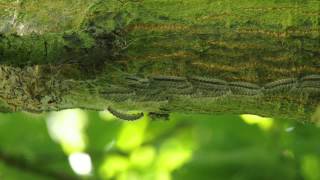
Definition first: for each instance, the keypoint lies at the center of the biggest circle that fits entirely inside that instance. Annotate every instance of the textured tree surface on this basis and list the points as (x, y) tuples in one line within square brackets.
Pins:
[(259, 57)]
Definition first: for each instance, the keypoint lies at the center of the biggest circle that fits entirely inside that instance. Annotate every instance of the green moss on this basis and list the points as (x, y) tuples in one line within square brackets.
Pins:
[(4, 107)]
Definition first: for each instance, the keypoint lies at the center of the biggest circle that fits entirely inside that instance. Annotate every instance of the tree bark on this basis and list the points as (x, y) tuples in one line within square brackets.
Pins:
[(166, 56)]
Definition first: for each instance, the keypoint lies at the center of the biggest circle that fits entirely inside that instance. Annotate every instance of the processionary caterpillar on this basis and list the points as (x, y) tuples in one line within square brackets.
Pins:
[(281, 84), (244, 88), (125, 116)]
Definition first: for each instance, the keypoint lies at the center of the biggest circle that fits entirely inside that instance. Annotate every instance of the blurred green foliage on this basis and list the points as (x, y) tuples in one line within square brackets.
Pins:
[(190, 146)]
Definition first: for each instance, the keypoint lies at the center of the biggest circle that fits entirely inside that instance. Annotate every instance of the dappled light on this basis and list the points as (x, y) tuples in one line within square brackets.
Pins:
[(131, 135), (66, 127), (310, 167), (143, 160), (106, 115), (185, 147), (80, 163), (262, 122), (143, 157), (174, 153), (114, 165)]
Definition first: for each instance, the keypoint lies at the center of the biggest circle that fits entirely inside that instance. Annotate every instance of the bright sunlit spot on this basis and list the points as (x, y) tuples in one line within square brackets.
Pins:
[(262, 122), (113, 165), (163, 175), (106, 115), (289, 129), (143, 157), (80, 163), (174, 153), (131, 135), (66, 127)]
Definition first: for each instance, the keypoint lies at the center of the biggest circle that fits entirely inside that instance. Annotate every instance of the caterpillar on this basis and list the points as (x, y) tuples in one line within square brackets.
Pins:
[(119, 97), (167, 82), (246, 85), (117, 94), (313, 77), (160, 88), (138, 82), (314, 84), (210, 93), (166, 85), (207, 80), (311, 90), (115, 90), (310, 83), (281, 85), (137, 79), (281, 82), (209, 84), (183, 90), (168, 78), (125, 116), (244, 88), (155, 94)]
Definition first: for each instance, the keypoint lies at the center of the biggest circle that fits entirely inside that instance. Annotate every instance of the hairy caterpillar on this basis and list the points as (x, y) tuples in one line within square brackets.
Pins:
[(125, 116), (168, 85), (115, 90), (154, 94), (168, 82), (209, 84), (168, 78), (313, 77), (207, 80), (119, 97), (281, 85), (137, 82), (137, 79), (311, 89), (244, 88), (310, 83), (210, 93), (314, 84), (117, 94), (188, 89), (246, 85), (209, 87)]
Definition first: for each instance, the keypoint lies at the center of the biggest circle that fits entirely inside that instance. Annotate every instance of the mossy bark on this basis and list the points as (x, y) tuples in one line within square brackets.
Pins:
[(157, 56)]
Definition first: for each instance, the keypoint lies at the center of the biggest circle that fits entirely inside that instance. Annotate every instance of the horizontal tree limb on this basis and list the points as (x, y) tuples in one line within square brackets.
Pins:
[(224, 57)]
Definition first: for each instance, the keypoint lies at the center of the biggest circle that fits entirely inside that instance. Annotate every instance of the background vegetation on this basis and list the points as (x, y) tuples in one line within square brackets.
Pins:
[(75, 144)]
